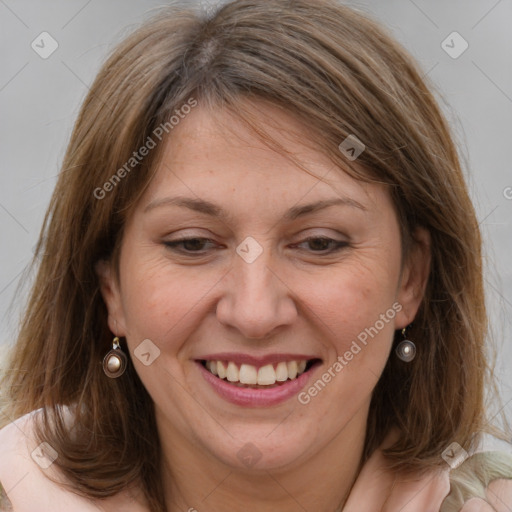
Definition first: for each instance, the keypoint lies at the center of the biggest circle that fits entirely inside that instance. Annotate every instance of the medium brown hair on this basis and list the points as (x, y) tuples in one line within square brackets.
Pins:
[(339, 73)]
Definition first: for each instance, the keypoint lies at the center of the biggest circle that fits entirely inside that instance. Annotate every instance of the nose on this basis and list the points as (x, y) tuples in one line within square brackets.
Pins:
[(257, 298)]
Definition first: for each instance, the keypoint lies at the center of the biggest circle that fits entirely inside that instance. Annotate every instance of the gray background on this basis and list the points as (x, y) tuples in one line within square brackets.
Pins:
[(39, 100)]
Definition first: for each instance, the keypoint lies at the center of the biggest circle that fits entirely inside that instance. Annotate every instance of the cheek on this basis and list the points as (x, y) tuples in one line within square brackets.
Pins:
[(353, 308), (159, 298), (147, 292), (352, 296)]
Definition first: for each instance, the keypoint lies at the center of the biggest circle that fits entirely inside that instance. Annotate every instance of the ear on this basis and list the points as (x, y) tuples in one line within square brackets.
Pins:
[(413, 282), (110, 291)]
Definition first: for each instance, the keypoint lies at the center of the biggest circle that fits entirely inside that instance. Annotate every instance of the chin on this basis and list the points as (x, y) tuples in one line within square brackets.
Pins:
[(265, 447)]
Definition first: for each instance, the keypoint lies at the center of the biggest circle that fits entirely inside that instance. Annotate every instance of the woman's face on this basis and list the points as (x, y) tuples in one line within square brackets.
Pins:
[(251, 291)]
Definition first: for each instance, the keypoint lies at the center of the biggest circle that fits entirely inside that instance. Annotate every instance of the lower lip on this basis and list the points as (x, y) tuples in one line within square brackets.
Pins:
[(250, 397)]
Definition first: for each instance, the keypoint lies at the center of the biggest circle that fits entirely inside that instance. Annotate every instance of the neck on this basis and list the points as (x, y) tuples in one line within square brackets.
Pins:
[(196, 480)]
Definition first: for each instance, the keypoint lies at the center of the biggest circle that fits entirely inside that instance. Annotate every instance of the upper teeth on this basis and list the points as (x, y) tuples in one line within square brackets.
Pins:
[(249, 374)]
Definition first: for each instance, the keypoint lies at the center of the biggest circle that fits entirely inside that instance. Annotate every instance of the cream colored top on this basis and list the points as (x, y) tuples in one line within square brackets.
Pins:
[(24, 468)]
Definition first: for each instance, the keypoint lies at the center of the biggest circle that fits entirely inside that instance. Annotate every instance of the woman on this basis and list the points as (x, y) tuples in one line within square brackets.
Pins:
[(259, 283)]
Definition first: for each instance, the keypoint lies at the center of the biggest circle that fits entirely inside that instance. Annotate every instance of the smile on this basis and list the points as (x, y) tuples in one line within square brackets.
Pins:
[(257, 385), (251, 376)]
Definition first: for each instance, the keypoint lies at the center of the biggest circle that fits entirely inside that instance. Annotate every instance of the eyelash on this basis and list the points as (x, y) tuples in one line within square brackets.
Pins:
[(174, 245)]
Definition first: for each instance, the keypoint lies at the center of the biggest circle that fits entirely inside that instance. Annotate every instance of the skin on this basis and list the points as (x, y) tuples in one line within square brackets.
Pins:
[(292, 299)]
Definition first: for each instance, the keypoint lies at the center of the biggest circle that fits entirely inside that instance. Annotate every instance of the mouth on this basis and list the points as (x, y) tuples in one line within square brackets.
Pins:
[(268, 376), (250, 383)]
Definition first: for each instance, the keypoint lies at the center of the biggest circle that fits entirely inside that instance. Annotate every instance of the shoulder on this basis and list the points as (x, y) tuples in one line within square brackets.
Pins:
[(483, 482), (480, 483), (31, 480), (13, 460), (13, 441), (28, 474)]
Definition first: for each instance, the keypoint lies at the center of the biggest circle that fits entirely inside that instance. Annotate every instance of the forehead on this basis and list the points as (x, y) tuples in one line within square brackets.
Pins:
[(212, 154)]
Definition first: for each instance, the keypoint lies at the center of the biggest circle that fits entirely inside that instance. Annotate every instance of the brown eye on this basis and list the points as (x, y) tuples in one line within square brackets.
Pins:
[(188, 245), (322, 244)]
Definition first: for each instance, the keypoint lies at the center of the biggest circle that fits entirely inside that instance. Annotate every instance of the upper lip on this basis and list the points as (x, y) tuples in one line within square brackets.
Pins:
[(257, 361)]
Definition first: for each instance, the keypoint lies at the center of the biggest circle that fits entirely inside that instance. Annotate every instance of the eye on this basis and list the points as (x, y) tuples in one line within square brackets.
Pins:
[(189, 245), (197, 246), (322, 244)]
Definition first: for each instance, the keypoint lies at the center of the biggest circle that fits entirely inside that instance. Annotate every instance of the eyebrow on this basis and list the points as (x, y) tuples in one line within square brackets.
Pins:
[(208, 208)]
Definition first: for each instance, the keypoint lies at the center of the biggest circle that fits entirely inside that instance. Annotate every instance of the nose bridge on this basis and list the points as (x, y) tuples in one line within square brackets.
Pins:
[(254, 280), (256, 301), (252, 266)]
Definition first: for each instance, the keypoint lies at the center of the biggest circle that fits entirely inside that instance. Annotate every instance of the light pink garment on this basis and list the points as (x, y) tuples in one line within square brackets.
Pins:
[(25, 472), (378, 490)]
